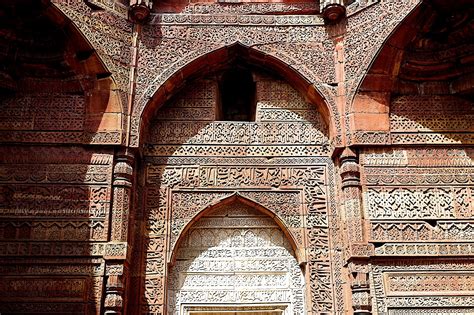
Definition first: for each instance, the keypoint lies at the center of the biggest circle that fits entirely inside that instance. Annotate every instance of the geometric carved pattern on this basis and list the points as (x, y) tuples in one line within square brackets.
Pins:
[(236, 255), (295, 188), (415, 203), (431, 119), (433, 283), (54, 202), (420, 203), (416, 186), (420, 286)]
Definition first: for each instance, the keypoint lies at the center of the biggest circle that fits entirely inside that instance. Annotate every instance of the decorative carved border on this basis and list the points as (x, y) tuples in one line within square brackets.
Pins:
[(382, 304)]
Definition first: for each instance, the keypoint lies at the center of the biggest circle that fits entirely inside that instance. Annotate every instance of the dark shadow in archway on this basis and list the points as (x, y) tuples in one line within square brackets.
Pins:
[(55, 192), (423, 76)]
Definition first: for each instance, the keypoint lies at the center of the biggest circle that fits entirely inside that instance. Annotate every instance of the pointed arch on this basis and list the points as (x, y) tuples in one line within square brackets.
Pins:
[(383, 68), (237, 198), (48, 62), (433, 43), (216, 60), (428, 59)]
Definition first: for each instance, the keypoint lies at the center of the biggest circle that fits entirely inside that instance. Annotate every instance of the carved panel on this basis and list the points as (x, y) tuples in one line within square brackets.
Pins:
[(54, 204), (222, 259), (416, 231), (42, 112), (422, 286), (198, 169), (419, 203), (429, 283), (414, 195), (431, 119), (43, 288)]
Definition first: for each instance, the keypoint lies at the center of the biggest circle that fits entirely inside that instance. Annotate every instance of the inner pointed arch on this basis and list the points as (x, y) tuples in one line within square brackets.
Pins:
[(237, 198)]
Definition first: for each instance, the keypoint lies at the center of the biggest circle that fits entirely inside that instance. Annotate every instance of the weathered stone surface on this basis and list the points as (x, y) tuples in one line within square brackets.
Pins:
[(342, 183)]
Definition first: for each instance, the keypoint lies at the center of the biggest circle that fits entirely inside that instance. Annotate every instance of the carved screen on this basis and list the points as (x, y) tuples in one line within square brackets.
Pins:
[(236, 256)]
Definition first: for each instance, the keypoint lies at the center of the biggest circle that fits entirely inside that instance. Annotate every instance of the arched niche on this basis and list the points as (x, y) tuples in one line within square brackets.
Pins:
[(55, 82), (422, 74), (218, 60), (235, 258), (237, 199), (281, 161)]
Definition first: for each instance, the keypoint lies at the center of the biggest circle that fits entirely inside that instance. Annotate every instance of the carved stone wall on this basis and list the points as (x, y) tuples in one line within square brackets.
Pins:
[(234, 255), (54, 206), (111, 151), (419, 203), (431, 119), (279, 162), (438, 286)]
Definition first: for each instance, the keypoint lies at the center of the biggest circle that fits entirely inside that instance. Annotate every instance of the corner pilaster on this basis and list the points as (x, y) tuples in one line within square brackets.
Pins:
[(358, 249), (117, 250)]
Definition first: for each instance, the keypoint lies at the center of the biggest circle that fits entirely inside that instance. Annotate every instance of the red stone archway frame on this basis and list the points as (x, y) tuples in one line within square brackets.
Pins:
[(410, 62), (236, 197), (365, 34), (103, 39), (145, 110), (43, 37), (80, 54), (410, 55), (45, 56)]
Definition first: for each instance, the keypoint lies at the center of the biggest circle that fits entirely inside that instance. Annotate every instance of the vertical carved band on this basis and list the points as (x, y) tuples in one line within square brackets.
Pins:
[(358, 250), (121, 219)]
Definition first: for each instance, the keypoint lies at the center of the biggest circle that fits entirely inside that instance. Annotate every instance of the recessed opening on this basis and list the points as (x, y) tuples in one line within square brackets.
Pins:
[(237, 95)]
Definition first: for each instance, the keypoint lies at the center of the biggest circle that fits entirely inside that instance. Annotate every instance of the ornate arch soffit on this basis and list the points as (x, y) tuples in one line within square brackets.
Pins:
[(201, 61), (108, 36), (365, 39), (235, 198)]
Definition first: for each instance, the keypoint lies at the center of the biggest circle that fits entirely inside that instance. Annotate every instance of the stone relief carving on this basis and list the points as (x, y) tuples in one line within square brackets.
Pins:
[(435, 119), (294, 188), (221, 259), (411, 278)]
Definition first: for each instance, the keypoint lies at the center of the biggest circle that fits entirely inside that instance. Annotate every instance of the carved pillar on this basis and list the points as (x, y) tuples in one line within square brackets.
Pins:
[(358, 249), (139, 10), (116, 251), (361, 301), (333, 10)]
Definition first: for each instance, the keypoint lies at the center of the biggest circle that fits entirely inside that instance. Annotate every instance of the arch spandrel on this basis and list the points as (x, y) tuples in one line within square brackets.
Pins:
[(413, 89), (60, 73), (365, 39), (212, 57), (108, 34)]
